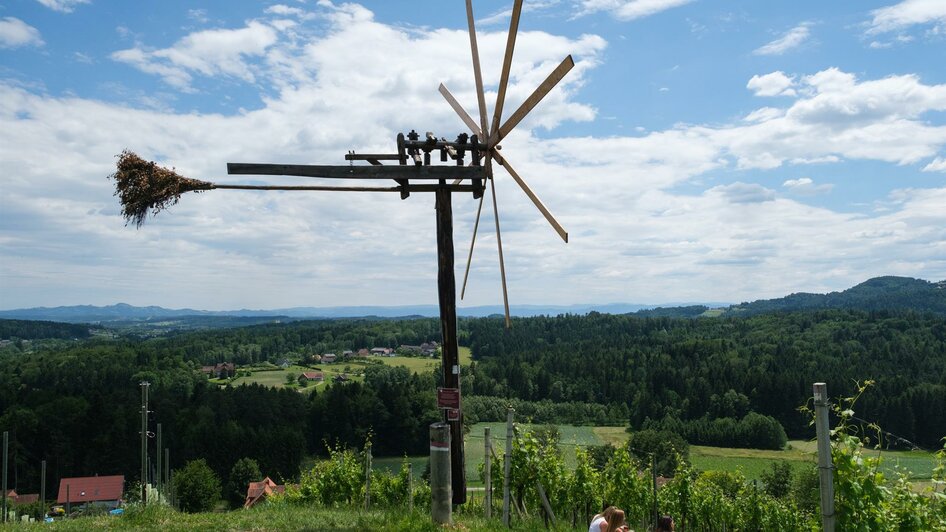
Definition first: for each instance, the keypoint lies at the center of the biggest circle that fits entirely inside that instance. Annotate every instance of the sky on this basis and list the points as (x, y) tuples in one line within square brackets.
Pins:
[(698, 151)]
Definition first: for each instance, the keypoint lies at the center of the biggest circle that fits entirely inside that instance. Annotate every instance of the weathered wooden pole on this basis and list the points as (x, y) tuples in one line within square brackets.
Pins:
[(825, 467), (410, 487), (6, 441), (441, 497), (144, 441), (368, 477), (507, 466), (488, 467), (167, 470), (42, 485), (653, 475), (159, 469), (447, 288)]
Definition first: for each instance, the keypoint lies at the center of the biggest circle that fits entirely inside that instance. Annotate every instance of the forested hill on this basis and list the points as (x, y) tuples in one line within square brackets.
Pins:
[(879, 293)]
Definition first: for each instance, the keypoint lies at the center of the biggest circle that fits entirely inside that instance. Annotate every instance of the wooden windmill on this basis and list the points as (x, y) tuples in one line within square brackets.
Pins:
[(145, 188)]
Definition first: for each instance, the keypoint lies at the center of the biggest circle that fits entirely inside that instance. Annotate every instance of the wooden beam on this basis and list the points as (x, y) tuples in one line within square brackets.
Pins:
[(369, 156), (563, 68), (535, 199), (410, 188), (477, 75), (359, 172), (507, 63), (467, 119)]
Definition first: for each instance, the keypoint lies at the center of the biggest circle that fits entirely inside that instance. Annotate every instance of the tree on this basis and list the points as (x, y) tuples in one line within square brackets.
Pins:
[(777, 479), (197, 487), (291, 378), (666, 447), (244, 471)]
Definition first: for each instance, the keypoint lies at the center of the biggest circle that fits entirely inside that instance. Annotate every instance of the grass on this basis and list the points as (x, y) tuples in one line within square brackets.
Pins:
[(279, 517)]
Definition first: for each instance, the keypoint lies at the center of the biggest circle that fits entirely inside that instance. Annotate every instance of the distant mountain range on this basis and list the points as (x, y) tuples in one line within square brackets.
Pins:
[(880, 293), (124, 312)]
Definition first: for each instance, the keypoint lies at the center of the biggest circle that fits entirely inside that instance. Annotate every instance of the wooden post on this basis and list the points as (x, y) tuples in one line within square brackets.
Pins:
[(6, 441), (507, 466), (410, 487), (368, 477), (167, 469), (159, 469), (42, 485), (825, 467), (447, 288), (144, 441), (441, 509), (653, 474), (545, 504), (487, 468)]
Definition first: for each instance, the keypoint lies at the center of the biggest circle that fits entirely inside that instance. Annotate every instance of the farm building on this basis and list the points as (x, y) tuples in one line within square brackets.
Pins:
[(100, 491), (328, 358), (311, 376), (258, 491)]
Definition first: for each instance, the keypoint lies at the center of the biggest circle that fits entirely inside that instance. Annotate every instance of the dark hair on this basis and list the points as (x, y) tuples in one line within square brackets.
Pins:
[(665, 524)]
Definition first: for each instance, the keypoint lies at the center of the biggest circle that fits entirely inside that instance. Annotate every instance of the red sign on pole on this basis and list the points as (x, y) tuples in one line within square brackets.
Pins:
[(448, 398), (453, 414)]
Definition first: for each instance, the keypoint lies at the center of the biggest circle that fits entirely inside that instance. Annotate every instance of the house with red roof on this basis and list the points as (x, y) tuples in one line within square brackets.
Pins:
[(259, 491), (100, 491), (311, 376)]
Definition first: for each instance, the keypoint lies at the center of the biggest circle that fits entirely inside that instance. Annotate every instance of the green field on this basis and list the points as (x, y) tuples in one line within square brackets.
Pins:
[(276, 378)]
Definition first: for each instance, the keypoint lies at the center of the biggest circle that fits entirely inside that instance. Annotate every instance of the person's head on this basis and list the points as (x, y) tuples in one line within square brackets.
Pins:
[(616, 521), (665, 524), (608, 512)]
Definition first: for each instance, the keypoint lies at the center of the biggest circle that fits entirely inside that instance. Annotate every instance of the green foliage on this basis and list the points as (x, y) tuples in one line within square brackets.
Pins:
[(244, 471), (777, 479), (667, 448), (196, 487)]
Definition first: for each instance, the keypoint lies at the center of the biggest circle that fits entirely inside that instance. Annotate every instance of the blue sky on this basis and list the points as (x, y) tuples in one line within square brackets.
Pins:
[(698, 151)]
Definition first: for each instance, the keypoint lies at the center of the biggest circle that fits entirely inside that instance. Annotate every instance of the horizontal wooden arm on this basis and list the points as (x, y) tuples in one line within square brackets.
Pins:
[(360, 172)]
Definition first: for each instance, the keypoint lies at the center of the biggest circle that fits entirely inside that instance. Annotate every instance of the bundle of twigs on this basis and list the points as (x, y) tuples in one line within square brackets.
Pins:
[(143, 186)]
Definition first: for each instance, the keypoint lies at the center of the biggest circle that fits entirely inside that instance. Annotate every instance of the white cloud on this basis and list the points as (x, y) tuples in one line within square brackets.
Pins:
[(906, 14), (806, 186), (634, 235), (207, 52), (528, 7), (15, 33), (792, 39), (63, 6), (936, 165), (629, 9), (772, 84)]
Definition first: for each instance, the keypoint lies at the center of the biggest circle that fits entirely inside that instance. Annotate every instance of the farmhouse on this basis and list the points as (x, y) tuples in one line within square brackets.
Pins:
[(259, 491), (347, 354), (99, 491), (343, 377), (26, 498), (311, 376), (328, 358), (381, 351)]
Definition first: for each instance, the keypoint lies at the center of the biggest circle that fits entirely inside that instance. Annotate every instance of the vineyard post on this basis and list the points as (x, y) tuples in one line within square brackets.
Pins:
[(144, 441), (42, 485), (410, 486), (825, 467), (507, 466), (488, 499), (167, 472), (441, 490), (368, 477), (653, 475), (6, 440), (159, 467)]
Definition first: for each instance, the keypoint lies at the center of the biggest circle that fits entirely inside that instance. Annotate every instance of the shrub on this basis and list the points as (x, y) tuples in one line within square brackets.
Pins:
[(196, 487), (244, 471)]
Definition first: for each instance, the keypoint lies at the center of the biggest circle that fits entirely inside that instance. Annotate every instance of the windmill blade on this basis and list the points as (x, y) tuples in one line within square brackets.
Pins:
[(540, 92), (507, 63), (469, 258), (477, 75), (535, 199), (467, 119), (499, 245)]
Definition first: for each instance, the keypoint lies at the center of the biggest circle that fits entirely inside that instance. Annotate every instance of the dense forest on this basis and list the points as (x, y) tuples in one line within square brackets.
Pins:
[(724, 381)]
